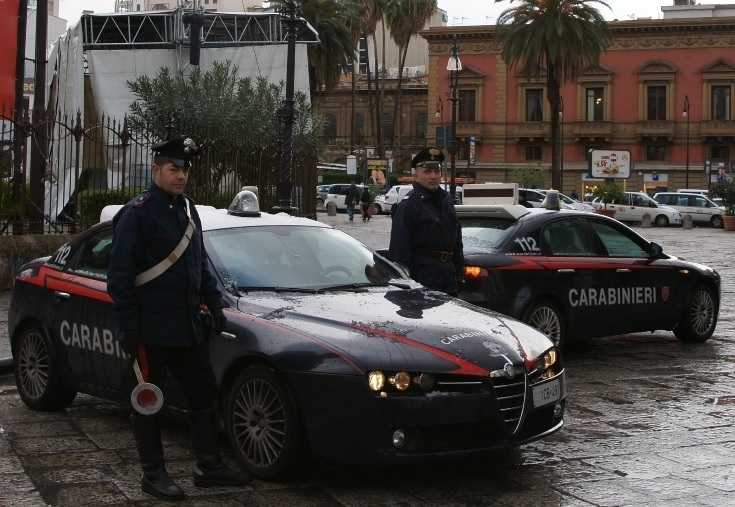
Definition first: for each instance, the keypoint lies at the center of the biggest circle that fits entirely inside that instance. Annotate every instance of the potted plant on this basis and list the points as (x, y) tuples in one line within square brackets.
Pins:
[(725, 190), (608, 192)]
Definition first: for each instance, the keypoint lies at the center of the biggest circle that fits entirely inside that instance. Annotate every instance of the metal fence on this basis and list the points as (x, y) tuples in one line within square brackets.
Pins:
[(58, 172)]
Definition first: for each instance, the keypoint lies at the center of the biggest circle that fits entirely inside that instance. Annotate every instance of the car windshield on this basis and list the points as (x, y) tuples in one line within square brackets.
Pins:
[(486, 232), (288, 257)]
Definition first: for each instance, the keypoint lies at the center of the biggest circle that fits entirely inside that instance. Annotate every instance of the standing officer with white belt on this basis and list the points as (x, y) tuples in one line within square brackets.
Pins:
[(158, 276)]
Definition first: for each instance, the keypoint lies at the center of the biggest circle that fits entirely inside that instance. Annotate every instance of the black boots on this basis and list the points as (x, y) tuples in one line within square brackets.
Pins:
[(210, 470), (155, 480)]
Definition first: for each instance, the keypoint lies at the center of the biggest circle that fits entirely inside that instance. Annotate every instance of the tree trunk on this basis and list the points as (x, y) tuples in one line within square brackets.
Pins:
[(553, 87)]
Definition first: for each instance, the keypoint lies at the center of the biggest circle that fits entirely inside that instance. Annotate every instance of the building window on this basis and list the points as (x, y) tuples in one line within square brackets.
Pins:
[(656, 103), (720, 153), (533, 152), (534, 105), (466, 105), (330, 127), (387, 127), (655, 153), (594, 104), (720, 102), (359, 128), (206, 2), (421, 125)]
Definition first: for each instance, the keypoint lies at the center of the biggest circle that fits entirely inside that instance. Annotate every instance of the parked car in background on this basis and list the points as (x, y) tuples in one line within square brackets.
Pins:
[(570, 203), (633, 205), (534, 196), (336, 194), (321, 195), (574, 275), (702, 209)]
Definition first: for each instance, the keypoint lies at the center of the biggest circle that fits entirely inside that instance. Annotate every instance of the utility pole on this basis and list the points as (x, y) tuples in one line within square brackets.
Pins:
[(39, 149)]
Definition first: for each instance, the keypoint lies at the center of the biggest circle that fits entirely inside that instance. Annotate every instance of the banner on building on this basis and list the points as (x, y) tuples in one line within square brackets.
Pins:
[(9, 43)]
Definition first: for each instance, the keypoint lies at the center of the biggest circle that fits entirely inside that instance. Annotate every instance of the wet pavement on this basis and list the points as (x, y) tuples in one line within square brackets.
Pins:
[(649, 423)]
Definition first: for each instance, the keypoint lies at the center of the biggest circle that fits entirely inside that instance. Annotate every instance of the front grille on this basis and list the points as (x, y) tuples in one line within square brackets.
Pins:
[(511, 396)]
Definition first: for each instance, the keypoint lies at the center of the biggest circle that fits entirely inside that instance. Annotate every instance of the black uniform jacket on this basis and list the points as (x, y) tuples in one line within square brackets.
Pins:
[(427, 238), (165, 311)]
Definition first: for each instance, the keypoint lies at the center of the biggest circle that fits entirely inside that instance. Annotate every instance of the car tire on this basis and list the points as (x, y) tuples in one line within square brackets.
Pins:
[(37, 371), (545, 316), (717, 222), (377, 210), (320, 203), (699, 318), (262, 424), (662, 221)]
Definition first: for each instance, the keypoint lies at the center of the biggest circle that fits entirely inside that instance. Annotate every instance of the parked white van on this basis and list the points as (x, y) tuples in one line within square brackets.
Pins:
[(634, 205), (397, 192), (700, 207)]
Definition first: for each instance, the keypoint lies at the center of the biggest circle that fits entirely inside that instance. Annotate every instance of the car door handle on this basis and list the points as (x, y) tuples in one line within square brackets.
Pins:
[(60, 294), (624, 270), (566, 270)]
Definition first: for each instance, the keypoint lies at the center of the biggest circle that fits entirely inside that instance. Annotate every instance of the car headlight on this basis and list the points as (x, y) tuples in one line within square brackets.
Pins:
[(400, 381), (546, 366)]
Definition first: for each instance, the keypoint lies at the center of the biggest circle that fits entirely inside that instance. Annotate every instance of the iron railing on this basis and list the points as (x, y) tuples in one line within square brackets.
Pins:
[(89, 163)]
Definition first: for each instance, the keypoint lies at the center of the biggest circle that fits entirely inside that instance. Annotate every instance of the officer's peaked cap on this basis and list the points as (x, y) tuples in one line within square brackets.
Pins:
[(431, 154), (178, 150)]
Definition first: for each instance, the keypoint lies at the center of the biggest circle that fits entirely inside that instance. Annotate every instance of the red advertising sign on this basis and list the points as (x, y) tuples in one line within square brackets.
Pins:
[(9, 43)]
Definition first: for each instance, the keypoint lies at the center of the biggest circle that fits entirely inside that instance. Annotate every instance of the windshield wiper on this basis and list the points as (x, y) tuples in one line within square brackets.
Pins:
[(362, 286), (304, 290)]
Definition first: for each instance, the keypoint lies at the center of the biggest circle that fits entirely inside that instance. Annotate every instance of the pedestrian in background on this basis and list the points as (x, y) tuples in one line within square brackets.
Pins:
[(574, 194), (365, 200), (351, 199), (426, 237), (522, 199), (157, 278)]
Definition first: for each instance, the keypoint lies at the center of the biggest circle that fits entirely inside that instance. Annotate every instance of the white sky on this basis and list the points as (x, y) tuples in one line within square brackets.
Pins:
[(460, 12)]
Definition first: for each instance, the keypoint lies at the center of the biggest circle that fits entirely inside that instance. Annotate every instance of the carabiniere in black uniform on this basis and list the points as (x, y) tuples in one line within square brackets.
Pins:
[(426, 235)]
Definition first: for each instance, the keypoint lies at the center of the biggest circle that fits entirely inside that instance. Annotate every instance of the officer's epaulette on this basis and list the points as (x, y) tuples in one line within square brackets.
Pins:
[(141, 199)]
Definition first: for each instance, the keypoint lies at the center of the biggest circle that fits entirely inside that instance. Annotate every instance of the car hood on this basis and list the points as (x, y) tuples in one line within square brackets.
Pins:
[(404, 329)]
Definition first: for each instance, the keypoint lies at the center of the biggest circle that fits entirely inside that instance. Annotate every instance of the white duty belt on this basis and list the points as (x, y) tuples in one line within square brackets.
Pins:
[(149, 274)]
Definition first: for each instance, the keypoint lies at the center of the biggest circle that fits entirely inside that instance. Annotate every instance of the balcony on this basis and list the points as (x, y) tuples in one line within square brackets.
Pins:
[(592, 130), (531, 131), (718, 129), (655, 130)]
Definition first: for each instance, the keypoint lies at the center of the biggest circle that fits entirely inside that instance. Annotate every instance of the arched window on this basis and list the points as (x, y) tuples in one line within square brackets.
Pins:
[(330, 126), (421, 125), (359, 128)]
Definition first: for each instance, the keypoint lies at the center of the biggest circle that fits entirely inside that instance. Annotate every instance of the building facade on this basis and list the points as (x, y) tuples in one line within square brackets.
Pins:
[(635, 100)]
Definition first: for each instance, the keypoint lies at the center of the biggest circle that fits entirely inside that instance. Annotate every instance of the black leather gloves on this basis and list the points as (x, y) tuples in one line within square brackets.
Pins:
[(130, 342), (220, 322)]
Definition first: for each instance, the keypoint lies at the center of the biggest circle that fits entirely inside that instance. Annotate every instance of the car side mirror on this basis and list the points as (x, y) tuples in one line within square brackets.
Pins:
[(655, 250)]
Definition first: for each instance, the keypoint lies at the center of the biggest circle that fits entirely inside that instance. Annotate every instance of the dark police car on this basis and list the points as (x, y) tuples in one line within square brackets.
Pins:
[(575, 274), (329, 349)]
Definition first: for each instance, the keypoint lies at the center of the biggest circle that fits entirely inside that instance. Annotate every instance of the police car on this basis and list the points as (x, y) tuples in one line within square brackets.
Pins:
[(330, 350), (573, 274)]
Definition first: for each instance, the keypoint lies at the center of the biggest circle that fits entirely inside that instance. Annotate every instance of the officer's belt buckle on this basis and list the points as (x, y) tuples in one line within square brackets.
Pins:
[(445, 256)]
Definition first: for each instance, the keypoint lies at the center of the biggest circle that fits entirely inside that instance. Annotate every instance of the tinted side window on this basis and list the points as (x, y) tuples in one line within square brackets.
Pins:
[(616, 242), (95, 255), (665, 199), (566, 237)]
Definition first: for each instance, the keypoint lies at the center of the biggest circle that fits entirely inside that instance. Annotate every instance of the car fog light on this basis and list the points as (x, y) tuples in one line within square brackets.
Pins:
[(399, 438), (558, 409), (376, 380), (425, 381), (401, 381)]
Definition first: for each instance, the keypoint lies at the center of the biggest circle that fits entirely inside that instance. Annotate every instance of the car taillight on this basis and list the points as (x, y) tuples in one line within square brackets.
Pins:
[(475, 272)]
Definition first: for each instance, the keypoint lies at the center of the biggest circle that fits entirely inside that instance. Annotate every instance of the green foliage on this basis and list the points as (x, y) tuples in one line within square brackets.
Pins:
[(726, 191), (91, 202), (205, 103), (529, 176), (609, 191)]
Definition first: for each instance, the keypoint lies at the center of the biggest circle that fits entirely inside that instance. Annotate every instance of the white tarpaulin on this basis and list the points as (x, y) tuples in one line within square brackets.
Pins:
[(111, 69)]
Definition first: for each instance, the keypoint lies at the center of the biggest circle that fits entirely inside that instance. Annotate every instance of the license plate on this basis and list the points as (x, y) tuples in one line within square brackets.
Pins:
[(546, 393)]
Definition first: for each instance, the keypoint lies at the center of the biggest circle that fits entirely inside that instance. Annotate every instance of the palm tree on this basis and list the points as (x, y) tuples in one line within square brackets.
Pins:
[(374, 16), (332, 55), (404, 19), (562, 37)]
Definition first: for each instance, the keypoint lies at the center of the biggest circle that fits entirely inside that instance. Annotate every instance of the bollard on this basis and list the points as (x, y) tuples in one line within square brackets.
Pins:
[(646, 220), (331, 209), (686, 222)]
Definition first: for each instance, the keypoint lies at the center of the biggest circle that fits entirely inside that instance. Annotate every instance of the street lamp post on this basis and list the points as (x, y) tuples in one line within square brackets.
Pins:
[(561, 144), (686, 115), (453, 66)]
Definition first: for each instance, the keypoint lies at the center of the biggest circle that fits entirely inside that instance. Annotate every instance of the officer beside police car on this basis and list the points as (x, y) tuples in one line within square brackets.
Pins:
[(426, 236), (157, 277)]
